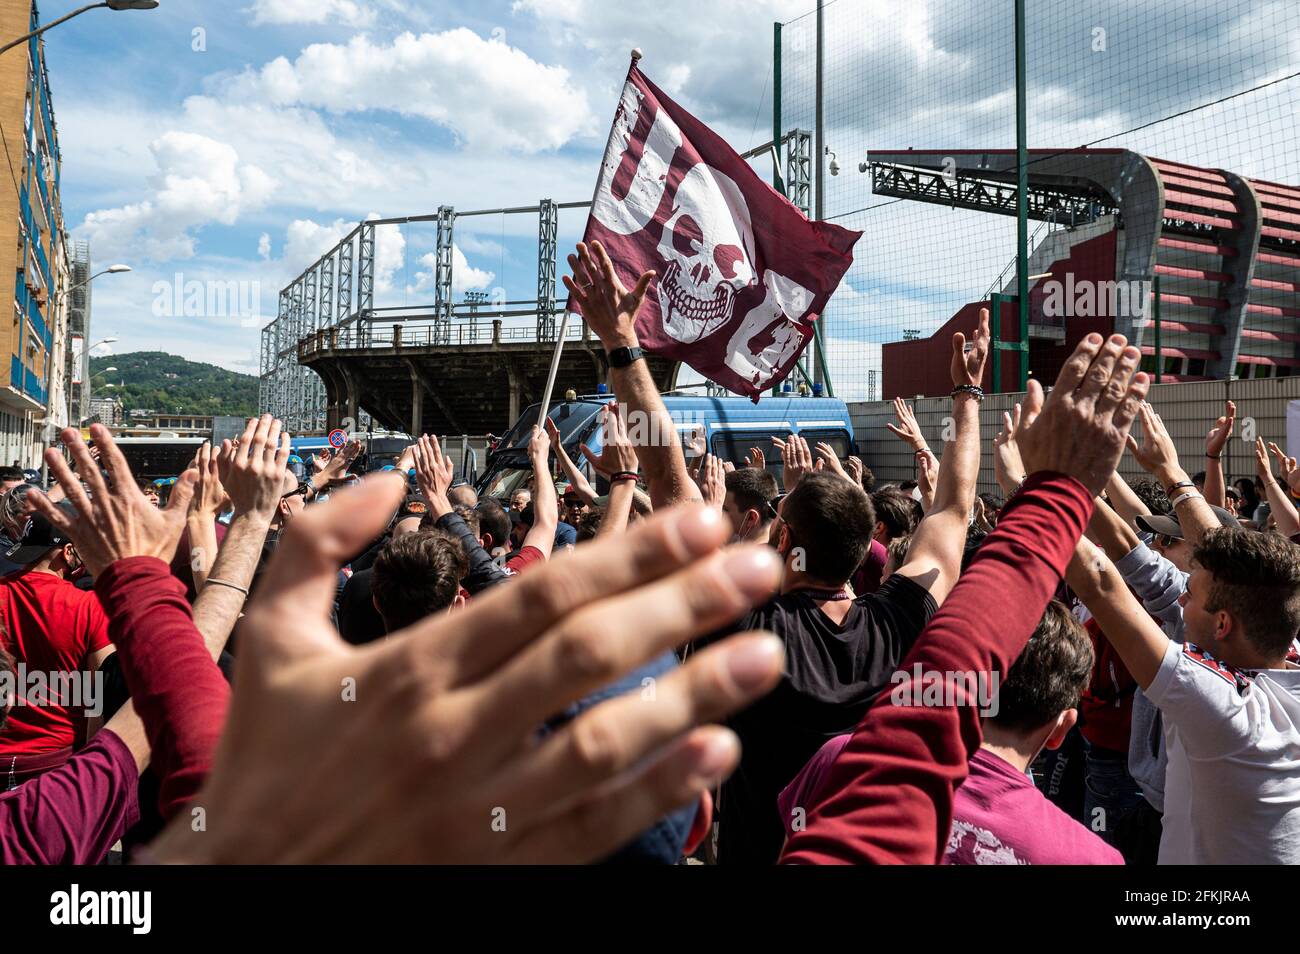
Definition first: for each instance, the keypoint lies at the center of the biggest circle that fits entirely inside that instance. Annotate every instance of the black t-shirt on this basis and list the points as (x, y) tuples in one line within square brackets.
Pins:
[(832, 675), (359, 621)]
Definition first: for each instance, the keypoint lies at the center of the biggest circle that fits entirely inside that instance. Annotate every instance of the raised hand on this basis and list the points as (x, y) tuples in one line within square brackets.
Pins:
[(115, 521), (713, 481), (756, 458), (433, 474), (907, 428), (406, 461), (967, 367), (539, 446), (854, 467), (1217, 439), (1287, 465), (927, 478), (616, 453), (1080, 428), (209, 495), (607, 306), (1008, 468), (831, 461), (253, 469), (454, 776), (1156, 453), (796, 459)]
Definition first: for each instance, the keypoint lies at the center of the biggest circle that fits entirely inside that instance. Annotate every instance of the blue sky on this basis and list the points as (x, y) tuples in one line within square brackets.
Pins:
[(237, 141)]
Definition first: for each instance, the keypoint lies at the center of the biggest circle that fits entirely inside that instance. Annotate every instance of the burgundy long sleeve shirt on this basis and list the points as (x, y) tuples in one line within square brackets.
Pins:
[(74, 814), (888, 798)]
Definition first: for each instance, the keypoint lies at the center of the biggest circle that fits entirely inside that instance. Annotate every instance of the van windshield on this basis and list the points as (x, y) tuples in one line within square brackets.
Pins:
[(571, 418)]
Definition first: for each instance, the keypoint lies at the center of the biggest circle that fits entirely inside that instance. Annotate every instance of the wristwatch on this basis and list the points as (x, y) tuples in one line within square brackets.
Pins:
[(622, 357)]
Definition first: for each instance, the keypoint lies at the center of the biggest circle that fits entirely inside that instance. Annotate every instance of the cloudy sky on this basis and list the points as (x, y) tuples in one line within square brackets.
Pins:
[(238, 141)]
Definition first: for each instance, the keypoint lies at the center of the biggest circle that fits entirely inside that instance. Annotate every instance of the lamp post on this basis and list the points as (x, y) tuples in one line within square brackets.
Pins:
[(111, 4)]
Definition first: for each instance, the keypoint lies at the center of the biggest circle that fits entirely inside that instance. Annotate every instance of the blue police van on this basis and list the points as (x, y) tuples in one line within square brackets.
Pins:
[(728, 427)]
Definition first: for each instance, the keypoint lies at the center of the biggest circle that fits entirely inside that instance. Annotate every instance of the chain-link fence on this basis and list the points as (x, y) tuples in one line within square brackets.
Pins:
[(1210, 85)]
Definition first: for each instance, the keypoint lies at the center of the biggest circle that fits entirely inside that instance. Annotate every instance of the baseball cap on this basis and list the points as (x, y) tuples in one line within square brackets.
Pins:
[(1167, 524), (39, 538)]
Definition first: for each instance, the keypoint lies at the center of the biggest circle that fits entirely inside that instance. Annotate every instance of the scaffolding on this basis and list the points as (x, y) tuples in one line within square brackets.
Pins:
[(319, 308)]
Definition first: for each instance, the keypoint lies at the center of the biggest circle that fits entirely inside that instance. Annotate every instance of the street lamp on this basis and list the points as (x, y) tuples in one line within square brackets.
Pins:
[(111, 4)]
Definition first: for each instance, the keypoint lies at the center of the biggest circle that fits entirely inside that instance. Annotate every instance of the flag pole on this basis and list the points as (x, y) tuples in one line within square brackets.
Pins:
[(545, 406)]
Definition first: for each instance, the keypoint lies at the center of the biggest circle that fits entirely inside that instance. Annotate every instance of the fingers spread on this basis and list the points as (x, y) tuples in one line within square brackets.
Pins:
[(499, 624)]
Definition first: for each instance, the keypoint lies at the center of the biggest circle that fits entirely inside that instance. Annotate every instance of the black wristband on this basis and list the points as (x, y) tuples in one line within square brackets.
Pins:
[(624, 475), (622, 357), (973, 390)]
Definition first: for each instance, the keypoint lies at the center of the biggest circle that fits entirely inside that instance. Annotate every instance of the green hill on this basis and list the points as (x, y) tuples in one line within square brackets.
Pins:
[(168, 384)]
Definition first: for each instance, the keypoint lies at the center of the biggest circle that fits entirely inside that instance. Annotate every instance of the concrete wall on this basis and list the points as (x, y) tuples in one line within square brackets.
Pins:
[(1188, 411)]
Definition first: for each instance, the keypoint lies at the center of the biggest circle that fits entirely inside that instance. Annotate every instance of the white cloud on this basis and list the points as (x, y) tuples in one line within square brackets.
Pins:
[(464, 276), (199, 181), (264, 246), (489, 94), (307, 240), (347, 12)]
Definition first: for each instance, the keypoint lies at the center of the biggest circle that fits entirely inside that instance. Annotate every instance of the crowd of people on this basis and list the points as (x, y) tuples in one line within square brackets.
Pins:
[(743, 662)]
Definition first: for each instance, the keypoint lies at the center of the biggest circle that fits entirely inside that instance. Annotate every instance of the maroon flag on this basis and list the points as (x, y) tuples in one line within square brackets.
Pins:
[(742, 274)]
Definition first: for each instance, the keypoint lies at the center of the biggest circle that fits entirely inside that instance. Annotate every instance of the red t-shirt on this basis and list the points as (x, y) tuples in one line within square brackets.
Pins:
[(1106, 705), (523, 560), (51, 626)]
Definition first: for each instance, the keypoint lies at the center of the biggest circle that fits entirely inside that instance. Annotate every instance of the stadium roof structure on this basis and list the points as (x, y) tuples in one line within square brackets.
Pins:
[(1222, 249)]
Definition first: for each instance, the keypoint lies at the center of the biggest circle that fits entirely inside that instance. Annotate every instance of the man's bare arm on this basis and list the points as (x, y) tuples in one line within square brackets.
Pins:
[(610, 310), (1129, 628), (934, 556), (546, 513)]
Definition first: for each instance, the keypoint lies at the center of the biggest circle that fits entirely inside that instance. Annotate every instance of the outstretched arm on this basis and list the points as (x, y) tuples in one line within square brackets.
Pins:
[(934, 556), (1158, 456), (546, 513), (577, 479), (1215, 441), (1279, 500), (888, 797), (1139, 641), (127, 543), (253, 473), (610, 311)]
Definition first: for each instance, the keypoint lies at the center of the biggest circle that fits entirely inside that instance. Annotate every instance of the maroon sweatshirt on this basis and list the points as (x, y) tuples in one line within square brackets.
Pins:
[(888, 798), (178, 691), (74, 814)]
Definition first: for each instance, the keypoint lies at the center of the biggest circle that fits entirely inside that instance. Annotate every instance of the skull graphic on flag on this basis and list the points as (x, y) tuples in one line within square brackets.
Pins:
[(742, 274)]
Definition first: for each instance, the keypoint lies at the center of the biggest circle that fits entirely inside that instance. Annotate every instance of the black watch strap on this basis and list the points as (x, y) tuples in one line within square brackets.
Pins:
[(622, 357)]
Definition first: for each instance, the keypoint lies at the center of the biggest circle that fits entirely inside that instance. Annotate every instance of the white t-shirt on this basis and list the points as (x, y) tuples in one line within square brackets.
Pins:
[(1232, 788)]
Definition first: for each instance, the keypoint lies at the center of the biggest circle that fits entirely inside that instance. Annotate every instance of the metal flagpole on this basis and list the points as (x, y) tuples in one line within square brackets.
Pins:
[(545, 406)]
